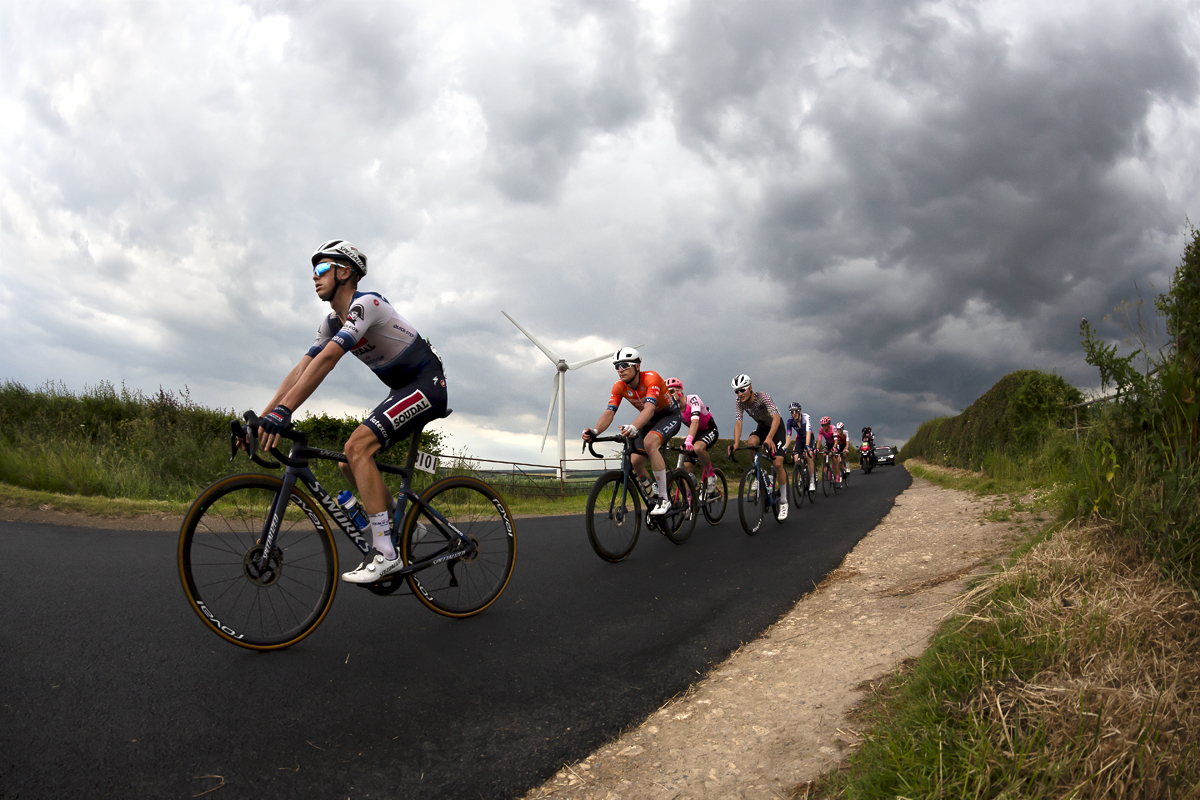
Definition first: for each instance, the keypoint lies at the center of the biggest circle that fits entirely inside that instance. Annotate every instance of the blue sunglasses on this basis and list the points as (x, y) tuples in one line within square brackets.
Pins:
[(323, 267)]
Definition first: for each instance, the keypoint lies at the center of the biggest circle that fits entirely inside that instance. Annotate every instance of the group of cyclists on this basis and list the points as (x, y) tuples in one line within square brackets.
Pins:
[(665, 410), (367, 325)]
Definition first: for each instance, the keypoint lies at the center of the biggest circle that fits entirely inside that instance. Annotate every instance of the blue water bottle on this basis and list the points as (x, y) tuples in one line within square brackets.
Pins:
[(346, 500)]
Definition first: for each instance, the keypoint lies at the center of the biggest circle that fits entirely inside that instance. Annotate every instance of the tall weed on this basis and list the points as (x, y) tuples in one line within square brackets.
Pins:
[(115, 442), (1147, 451)]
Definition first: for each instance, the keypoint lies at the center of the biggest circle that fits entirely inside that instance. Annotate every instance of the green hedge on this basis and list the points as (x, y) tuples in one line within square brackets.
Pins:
[(114, 442), (1012, 417)]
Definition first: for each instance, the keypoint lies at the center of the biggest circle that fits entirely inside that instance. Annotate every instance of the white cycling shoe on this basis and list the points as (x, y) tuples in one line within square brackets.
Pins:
[(374, 568), (782, 512), (812, 486), (711, 484), (661, 506)]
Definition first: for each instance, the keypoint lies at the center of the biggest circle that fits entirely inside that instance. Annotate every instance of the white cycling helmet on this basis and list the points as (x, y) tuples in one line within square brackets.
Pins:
[(841, 426), (741, 382), (342, 251), (627, 354)]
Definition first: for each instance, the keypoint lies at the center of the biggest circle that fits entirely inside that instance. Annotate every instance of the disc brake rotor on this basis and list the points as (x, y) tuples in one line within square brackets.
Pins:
[(269, 574)]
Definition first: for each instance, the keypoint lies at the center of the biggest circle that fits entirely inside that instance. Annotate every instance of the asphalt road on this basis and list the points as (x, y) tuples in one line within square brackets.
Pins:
[(112, 688)]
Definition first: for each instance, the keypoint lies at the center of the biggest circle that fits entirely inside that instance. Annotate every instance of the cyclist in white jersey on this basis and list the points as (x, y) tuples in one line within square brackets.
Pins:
[(761, 409), (804, 441), (365, 324)]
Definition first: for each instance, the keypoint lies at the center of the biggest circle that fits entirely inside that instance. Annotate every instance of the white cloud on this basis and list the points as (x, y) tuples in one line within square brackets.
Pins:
[(876, 208)]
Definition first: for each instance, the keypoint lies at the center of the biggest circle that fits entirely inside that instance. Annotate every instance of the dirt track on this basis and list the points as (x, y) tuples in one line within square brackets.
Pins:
[(774, 715)]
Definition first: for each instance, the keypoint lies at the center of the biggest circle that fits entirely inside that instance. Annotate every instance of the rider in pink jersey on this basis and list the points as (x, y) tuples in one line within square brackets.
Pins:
[(827, 438), (701, 430)]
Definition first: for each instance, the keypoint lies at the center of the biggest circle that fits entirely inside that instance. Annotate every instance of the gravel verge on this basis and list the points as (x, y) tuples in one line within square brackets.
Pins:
[(775, 714)]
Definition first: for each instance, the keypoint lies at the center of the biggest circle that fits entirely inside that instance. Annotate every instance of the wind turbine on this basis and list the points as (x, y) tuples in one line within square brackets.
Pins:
[(560, 390)]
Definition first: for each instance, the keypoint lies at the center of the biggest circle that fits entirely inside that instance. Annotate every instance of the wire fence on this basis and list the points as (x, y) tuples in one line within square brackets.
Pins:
[(521, 479)]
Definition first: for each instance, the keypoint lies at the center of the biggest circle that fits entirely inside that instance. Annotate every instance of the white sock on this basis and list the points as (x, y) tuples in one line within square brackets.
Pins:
[(660, 477), (382, 535)]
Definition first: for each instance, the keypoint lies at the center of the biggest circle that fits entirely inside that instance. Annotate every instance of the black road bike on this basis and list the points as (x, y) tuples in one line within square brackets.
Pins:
[(614, 507), (259, 563), (757, 493), (801, 481), (712, 503), (829, 483)]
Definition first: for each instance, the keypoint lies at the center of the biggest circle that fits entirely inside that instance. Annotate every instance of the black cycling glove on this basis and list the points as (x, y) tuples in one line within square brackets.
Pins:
[(277, 421)]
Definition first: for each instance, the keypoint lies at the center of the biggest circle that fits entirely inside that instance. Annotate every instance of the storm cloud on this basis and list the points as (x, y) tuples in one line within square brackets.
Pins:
[(876, 208)]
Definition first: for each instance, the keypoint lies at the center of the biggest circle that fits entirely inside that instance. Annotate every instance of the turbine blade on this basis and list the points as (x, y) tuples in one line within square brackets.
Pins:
[(540, 346), (553, 397), (579, 364)]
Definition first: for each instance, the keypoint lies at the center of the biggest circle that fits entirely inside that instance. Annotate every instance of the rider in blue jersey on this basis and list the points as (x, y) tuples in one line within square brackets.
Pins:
[(365, 324), (800, 435)]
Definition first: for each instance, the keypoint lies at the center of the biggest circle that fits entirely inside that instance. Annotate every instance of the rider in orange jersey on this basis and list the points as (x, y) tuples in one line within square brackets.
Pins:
[(657, 421)]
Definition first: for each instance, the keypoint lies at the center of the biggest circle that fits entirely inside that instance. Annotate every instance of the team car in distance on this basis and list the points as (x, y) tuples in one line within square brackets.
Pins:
[(885, 455)]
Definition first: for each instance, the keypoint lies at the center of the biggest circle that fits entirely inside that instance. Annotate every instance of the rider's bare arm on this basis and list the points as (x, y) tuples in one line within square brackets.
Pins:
[(288, 382), (646, 413), (311, 372), (605, 420), (312, 375)]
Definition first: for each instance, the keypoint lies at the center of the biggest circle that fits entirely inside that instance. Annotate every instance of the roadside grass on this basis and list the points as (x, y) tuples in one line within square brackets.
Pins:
[(93, 506), (1071, 672), (122, 508)]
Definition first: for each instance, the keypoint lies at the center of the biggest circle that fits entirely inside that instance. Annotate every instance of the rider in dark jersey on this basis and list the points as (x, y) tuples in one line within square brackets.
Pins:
[(365, 324)]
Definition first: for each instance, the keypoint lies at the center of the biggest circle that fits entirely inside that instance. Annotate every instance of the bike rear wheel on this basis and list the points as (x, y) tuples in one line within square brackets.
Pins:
[(464, 586), (716, 501), (752, 501), (682, 492), (614, 516), (799, 483), (259, 609)]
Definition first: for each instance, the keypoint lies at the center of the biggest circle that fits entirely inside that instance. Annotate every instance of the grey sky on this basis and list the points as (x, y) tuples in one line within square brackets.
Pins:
[(875, 208)]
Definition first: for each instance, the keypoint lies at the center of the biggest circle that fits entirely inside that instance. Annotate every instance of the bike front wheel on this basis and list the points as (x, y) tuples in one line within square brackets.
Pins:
[(827, 479), (613, 517), (716, 501), (463, 586), (265, 608), (752, 501), (682, 492)]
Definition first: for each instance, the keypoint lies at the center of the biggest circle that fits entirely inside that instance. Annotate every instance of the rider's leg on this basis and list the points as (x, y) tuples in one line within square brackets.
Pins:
[(360, 452), (348, 474), (638, 462), (812, 474), (701, 450), (653, 442)]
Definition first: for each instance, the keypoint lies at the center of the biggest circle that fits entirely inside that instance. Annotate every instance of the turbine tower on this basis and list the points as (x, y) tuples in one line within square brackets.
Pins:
[(560, 390)]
